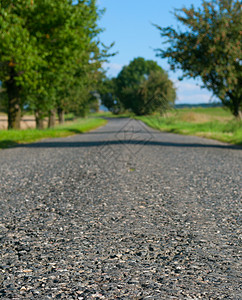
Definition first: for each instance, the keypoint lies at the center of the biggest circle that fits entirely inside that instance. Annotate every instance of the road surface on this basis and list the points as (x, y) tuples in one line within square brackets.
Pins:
[(122, 212)]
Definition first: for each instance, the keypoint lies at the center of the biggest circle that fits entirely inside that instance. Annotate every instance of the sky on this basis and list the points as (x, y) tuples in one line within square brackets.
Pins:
[(128, 23)]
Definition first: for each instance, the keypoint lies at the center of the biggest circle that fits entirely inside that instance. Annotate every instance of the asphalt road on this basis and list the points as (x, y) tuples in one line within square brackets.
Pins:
[(122, 212)]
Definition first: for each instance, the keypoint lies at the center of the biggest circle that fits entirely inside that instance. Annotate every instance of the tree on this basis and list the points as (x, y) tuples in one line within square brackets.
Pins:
[(143, 87), (18, 58), (209, 48), (74, 54), (108, 93), (155, 94)]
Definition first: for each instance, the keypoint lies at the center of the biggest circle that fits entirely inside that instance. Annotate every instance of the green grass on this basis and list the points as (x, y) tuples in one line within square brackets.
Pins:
[(213, 123), (214, 111), (10, 138)]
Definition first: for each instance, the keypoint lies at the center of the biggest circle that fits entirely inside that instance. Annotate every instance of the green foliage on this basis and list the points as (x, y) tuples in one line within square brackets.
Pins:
[(51, 52), (210, 48), (18, 49), (109, 98), (143, 87), (155, 94)]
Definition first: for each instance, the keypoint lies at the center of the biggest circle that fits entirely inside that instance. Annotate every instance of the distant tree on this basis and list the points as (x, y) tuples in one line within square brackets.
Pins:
[(210, 48), (155, 94), (109, 98), (143, 87)]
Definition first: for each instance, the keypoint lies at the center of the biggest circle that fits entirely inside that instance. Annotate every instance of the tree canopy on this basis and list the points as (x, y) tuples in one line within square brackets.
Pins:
[(144, 87), (209, 47)]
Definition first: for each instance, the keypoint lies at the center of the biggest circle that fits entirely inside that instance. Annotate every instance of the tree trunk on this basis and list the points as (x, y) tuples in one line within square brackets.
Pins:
[(51, 122), (14, 113), (237, 113), (239, 116), (61, 115), (14, 103), (39, 120), (236, 109)]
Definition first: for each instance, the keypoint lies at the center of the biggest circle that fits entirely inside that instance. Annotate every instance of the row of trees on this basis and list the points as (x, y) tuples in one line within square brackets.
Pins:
[(50, 57), (142, 87)]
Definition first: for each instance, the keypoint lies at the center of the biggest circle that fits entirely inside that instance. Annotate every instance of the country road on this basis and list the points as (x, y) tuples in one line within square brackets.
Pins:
[(122, 212)]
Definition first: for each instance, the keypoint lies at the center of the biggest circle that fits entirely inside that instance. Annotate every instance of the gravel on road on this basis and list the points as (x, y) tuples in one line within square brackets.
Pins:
[(122, 212)]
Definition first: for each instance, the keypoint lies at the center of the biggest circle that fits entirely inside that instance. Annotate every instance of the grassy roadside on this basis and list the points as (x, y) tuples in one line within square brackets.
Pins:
[(10, 138), (212, 123)]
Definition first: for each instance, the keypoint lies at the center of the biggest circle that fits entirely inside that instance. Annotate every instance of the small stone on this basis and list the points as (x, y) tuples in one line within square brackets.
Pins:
[(27, 271)]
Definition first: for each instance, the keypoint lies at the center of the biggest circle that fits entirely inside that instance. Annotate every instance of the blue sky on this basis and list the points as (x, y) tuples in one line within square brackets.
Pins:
[(128, 23)]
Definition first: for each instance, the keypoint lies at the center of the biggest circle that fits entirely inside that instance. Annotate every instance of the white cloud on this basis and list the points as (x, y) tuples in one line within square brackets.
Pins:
[(112, 68), (186, 86), (191, 92), (196, 98)]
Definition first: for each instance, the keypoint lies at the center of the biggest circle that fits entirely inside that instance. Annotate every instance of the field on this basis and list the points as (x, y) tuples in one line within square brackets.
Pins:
[(10, 138), (214, 123)]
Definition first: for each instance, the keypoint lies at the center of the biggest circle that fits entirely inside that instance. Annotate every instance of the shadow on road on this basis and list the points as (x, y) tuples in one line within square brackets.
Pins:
[(56, 144)]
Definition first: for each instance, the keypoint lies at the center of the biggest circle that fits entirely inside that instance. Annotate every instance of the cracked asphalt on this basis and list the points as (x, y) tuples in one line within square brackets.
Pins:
[(122, 212)]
